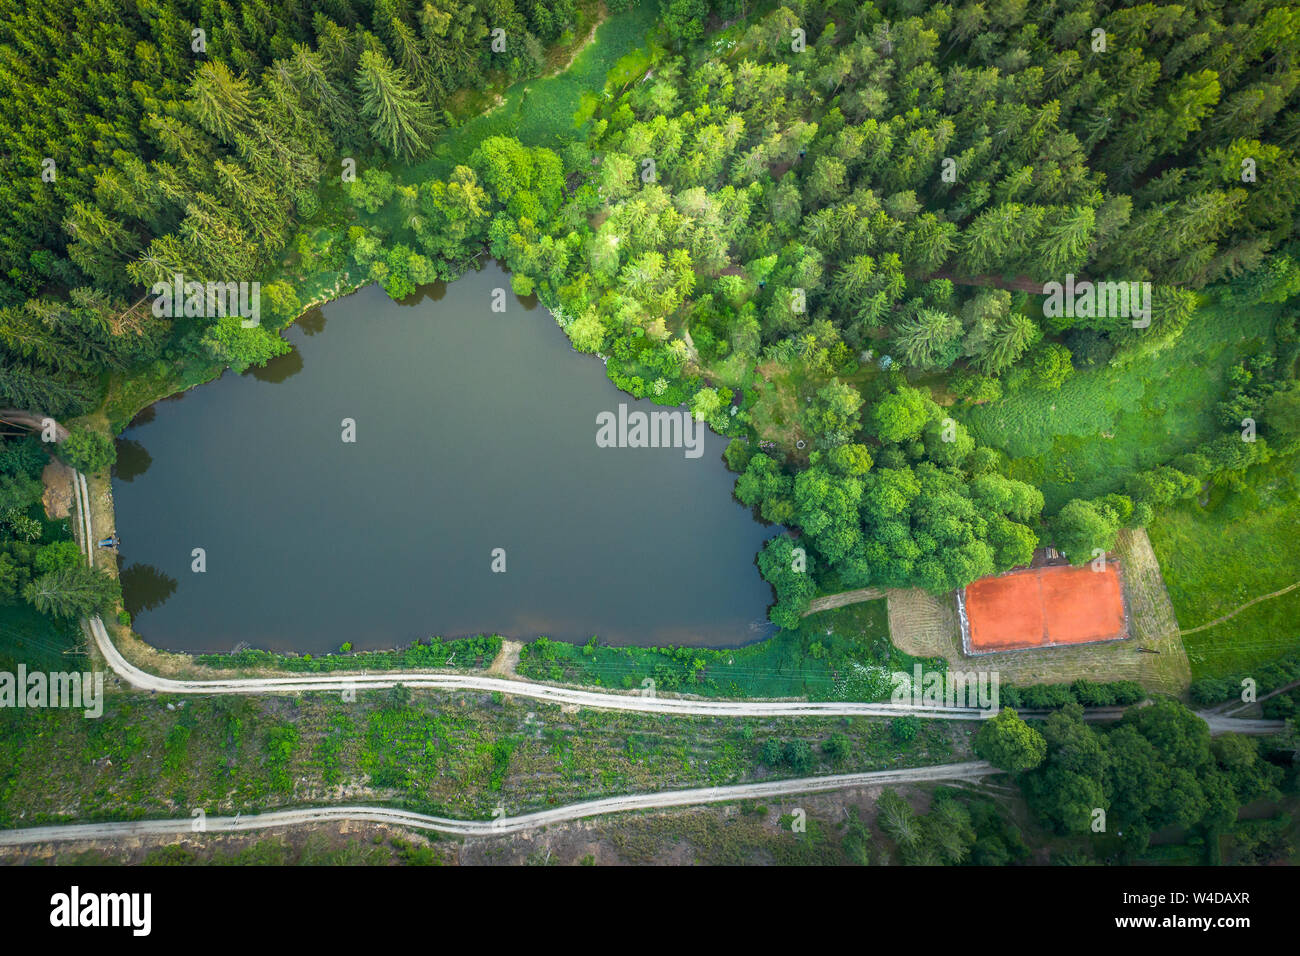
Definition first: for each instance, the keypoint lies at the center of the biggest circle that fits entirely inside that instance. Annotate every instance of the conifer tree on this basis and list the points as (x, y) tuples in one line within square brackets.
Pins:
[(400, 121)]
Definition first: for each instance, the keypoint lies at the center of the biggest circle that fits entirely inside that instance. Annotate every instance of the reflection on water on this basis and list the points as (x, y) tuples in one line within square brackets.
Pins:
[(144, 588), (132, 460), (426, 293), (312, 322), (279, 369)]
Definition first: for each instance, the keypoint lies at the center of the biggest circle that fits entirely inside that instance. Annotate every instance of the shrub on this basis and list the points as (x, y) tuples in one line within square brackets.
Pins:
[(905, 728), (55, 556), (87, 450), (836, 748), (799, 756)]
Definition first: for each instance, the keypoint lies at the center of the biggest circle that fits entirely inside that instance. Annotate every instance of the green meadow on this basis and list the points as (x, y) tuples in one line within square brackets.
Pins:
[(1105, 423), (1242, 544)]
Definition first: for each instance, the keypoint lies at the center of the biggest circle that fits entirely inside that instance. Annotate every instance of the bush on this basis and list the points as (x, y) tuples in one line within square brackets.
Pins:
[(1089, 347), (54, 557), (87, 450), (737, 455), (1120, 693), (976, 388), (231, 343), (1046, 696), (799, 756), (836, 748), (905, 728), (1050, 366), (282, 303), (1009, 743), (371, 191)]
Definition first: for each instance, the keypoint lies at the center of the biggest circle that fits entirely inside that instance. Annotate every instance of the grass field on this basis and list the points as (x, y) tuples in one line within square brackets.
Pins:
[(1108, 422), (840, 654), (545, 111), (1241, 545)]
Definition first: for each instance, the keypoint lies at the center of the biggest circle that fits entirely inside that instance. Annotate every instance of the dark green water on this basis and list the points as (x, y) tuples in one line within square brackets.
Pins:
[(475, 430)]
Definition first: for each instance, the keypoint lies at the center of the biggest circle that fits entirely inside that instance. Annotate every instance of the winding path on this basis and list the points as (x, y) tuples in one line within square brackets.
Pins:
[(1237, 610), (605, 700), (971, 770)]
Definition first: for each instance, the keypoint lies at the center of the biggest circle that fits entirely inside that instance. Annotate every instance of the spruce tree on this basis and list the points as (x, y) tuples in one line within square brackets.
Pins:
[(400, 120)]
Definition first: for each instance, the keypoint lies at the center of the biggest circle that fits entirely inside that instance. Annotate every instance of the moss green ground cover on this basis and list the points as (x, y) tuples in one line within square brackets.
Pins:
[(36, 640), (549, 110), (1108, 422), (1241, 545)]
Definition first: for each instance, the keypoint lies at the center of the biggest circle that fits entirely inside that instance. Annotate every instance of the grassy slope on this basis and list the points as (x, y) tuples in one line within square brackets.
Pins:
[(36, 640), (459, 754), (1105, 423), (848, 663), (1243, 544)]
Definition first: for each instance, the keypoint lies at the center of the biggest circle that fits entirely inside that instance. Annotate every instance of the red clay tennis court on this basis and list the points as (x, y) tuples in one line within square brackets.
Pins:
[(1044, 607)]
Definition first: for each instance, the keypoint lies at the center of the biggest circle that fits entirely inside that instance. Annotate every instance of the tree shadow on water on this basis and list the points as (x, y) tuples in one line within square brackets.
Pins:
[(312, 322), (132, 460), (279, 368), (432, 292), (145, 588)]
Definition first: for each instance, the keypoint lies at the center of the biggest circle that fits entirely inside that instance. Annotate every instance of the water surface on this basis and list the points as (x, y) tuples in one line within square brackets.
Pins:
[(475, 430)]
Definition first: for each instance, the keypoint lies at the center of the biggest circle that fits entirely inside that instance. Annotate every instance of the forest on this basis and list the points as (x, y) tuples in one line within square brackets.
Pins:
[(1157, 768), (823, 227)]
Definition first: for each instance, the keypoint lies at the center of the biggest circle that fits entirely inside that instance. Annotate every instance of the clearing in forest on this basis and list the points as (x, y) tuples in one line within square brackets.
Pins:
[(925, 625)]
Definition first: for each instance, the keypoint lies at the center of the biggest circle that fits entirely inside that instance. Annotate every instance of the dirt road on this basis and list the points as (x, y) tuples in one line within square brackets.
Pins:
[(970, 770)]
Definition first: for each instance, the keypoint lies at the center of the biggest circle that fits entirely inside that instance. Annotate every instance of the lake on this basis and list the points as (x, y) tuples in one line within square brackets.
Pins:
[(475, 448)]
